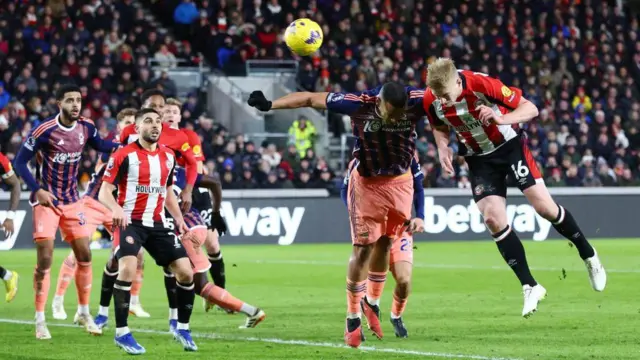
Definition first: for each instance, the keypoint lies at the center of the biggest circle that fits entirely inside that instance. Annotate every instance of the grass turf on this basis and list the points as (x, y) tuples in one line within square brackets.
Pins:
[(465, 304)]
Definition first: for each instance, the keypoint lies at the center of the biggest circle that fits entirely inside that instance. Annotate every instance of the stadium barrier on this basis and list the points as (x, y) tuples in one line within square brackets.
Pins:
[(288, 217)]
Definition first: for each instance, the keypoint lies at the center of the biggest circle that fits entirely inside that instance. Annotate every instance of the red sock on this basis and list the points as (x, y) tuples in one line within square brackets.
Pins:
[(84, 275), (67, 273), (375, 286), (355, 292), (41, 285)]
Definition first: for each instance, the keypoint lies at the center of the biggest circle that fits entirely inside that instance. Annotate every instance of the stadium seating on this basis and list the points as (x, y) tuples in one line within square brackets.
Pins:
[(584, 79)]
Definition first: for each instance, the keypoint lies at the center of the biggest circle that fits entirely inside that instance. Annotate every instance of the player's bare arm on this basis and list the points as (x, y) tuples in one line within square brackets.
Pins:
[(441, 135), (14, 200), (524, 112), (174, 209), (106, 198), (316, 100)]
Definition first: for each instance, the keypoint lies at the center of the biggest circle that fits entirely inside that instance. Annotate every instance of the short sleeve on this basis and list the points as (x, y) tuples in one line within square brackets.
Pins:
[(126, 134), (116, 167), (496, 91), (344, 103), (430, 110)]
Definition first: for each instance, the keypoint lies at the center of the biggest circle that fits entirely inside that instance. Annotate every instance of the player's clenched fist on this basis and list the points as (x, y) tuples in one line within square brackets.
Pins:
[(259, 101), (416, 225)]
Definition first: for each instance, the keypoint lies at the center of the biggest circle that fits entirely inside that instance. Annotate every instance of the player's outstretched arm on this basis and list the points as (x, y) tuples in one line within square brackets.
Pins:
[(96, 142), (441, 135), (317, 100)]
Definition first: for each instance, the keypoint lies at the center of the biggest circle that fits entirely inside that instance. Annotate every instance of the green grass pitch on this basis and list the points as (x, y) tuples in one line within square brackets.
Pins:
[(465, 304)]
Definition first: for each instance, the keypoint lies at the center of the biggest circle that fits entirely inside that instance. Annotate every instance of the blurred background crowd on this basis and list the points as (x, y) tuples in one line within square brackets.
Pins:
[(577, 60)]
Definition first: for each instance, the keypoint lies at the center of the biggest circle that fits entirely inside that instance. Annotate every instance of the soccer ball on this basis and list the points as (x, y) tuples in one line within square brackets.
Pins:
[(303, 37)]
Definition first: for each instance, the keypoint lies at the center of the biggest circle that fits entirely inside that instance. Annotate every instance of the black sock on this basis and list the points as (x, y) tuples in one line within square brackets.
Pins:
[(566, 225), (106, 291), (217, 269), (170, 286), (512, 251), (186, 295), (121, 299), (3, 272)]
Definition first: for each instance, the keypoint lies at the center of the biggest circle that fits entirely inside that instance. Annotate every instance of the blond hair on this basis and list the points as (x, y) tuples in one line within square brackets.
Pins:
[(440, 74), (174, 102), (125, 113)]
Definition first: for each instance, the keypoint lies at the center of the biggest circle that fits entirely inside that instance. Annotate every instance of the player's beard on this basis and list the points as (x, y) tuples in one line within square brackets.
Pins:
[(150, 138), (67, 115)]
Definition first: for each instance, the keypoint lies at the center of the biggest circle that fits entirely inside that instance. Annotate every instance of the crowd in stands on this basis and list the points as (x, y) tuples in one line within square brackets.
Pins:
[(577, 60)]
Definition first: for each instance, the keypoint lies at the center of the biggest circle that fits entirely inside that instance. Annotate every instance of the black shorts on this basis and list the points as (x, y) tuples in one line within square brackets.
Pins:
[(161, 243), (203, 205), (512, 161)]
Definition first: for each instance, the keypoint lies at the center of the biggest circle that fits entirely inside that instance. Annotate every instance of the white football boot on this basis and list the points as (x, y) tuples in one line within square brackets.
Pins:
[(532, 296)]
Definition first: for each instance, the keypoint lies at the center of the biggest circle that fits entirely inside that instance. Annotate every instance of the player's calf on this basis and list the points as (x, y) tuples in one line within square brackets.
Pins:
[(66, 274), (41, 285), (185, 294)]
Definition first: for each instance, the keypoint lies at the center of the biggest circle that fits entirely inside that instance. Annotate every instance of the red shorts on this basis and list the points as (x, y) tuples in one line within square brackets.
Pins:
[(192, 243), (96, 215), (69, 218), (402, 249), (378, 206)]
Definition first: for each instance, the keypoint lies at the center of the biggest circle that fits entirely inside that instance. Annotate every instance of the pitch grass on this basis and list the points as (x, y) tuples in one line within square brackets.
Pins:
[(465, 301)]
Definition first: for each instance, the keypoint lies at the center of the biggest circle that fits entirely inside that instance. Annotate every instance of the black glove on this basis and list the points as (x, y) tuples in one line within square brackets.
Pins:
[(218, 223), (258, 101)]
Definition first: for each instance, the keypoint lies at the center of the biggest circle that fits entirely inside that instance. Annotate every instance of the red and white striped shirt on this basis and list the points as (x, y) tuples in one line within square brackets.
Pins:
[(476, 137), (142, 178)]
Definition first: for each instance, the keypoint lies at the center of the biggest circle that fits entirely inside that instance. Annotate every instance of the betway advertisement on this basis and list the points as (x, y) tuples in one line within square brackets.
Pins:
[(448, 218)]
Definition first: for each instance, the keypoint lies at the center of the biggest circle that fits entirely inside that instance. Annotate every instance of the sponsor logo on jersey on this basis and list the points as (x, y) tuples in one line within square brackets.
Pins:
[(66, 158), (185, 147), (146, 189), (506, 92), (197, 150)]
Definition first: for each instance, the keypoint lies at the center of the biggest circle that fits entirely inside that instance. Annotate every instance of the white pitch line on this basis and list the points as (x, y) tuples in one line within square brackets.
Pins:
[(432, 266), (214, 336)]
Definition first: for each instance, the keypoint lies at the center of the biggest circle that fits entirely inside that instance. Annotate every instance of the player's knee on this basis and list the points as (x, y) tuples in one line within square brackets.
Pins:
[(140, 258), (83, 256), (403, 284), (361, 254), (182, 270), (127, 268), (384, 243), (494, 220), (45, 261), (112, 264), (212, 244)]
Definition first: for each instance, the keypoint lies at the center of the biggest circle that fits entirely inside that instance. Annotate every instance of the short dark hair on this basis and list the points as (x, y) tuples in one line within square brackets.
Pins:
[(395, 94), (66, 88), (142, 112), (149, 93), (126, 112)]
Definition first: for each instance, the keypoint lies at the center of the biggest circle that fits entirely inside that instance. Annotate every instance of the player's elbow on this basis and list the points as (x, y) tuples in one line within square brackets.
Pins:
[(531, 108)]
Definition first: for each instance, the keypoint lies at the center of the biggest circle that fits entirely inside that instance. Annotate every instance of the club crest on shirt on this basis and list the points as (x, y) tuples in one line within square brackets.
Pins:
[(506, 92), (478, 190), (129, 239)]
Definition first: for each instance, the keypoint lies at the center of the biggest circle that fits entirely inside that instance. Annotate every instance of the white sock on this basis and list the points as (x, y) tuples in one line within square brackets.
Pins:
[(40, 316), (122, 331), (182, 326), (173, 314), (58, 299), (83, 309), (104, 311), (394, 316), (7, 276), (135, 300), (353, 315), (250, 310), (372, 301)]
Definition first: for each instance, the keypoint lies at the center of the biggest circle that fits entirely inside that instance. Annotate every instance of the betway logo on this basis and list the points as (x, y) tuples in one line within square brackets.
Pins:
[(17, 224), (461, 219), (266, 221)]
